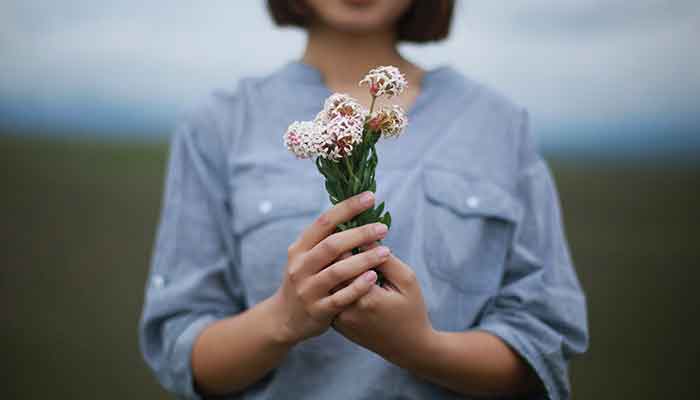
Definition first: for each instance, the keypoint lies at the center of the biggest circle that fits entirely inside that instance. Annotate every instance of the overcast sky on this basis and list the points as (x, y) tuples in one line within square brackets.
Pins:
[(569, 61)]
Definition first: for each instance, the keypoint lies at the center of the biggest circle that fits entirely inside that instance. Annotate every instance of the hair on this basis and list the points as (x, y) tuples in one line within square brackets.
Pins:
[(424, 21)]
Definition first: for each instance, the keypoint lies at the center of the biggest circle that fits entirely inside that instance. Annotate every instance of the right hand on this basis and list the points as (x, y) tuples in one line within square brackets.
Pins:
[(318, 263)]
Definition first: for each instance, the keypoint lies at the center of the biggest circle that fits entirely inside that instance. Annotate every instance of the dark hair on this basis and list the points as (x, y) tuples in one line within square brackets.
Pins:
[(424, 21)]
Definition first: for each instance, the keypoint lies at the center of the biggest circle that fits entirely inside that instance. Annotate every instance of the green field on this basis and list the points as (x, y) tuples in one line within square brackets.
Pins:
[(79, 219)]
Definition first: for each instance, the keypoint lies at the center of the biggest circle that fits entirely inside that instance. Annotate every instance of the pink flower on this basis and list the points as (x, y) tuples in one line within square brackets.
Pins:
[(340, 104), (386, 80), (390, 121), (341, 134), (303, 139), (340, 125)]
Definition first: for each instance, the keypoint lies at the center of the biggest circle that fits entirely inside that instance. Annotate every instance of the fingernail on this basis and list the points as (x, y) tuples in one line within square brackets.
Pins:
[(370, 276), (380, 229), (382, 251), (366, 198)]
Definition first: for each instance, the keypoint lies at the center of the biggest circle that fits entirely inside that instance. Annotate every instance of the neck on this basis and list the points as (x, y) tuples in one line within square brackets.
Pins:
[(343, 58)]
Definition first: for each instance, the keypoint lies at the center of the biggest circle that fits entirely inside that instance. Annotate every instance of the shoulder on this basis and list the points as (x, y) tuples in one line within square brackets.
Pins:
[(472, 94), (483, 115), (484, 127), (215, 119), (510, 126)]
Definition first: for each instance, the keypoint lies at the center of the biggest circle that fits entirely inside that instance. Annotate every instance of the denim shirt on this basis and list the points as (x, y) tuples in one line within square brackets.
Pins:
[(475, 214)]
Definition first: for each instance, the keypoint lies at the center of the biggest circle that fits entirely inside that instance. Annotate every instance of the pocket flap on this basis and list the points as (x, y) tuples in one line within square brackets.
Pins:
[(255, 206), (469, 196)]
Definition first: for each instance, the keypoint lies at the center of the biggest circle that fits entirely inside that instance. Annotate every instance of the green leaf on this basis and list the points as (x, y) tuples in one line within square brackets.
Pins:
[(386, 219), (379, 210), (365, 217), (340, 192), (365, 177), (331, 187), (355, 186)]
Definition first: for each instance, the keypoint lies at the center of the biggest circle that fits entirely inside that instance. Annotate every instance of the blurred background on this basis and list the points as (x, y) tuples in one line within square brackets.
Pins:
[(90, 91)]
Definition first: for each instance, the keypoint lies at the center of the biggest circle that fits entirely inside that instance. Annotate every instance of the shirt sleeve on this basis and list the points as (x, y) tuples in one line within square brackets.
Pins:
[(192, 280), (540, 310)]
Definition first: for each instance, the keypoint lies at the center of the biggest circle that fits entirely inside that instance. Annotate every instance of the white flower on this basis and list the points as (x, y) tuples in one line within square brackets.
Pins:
[(386, 80), (390, 121), (303, 138), (340, 104), (340, 135)]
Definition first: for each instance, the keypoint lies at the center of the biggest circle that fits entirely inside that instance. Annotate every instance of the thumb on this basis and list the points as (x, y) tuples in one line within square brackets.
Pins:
[(396, 271)]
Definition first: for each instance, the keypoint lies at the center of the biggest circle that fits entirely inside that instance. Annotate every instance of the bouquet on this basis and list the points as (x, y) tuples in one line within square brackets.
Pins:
[(341, 142)]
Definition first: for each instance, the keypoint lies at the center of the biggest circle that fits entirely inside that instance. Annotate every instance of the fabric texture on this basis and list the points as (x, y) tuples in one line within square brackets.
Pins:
[(475, 213)]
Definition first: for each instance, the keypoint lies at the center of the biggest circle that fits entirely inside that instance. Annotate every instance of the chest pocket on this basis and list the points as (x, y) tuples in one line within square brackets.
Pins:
[(469, 224), (256, 206), (267, 218)]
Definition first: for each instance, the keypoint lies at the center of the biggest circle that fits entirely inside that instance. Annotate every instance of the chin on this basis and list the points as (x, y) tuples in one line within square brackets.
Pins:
[(359, 16)]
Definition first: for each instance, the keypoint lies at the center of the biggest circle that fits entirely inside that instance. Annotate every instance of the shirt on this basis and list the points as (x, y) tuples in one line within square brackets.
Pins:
[(475, 214)]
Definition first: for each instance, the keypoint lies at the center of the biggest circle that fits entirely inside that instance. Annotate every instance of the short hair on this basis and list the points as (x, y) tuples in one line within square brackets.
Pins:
[(424, 21)]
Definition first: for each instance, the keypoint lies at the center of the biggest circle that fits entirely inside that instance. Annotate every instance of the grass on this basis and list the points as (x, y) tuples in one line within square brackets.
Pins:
[(78, 224)]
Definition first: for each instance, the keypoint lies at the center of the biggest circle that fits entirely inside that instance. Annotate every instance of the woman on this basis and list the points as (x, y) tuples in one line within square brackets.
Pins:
[(483, 298)]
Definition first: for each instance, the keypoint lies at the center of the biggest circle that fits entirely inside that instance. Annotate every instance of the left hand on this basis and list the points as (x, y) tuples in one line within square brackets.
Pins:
[(391, 320)]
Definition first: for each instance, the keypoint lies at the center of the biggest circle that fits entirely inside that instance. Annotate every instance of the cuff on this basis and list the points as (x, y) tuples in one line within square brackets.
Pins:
[(551, 372), (183, 382)]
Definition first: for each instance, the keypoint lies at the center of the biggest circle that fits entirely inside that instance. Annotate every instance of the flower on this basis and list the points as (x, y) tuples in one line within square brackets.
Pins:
[(341, 134), (303, 138), (386, 80), (340, 104), (341, 123), (342, 140), (390, 121)]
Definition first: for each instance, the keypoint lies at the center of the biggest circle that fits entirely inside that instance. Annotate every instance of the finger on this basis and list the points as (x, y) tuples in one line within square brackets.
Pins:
[(371, 246), (341, 285), (371, 300), (345, 255), (345, 282), (343, 298), (330, 248), (348, 269), (396, 271), (326, 223)]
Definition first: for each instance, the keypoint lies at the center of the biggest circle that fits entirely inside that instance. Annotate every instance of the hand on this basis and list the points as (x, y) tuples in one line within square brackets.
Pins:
[(304, 305), (391, 320)]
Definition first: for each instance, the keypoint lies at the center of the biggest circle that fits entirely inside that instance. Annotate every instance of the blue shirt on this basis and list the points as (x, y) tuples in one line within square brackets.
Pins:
[(475, 214)]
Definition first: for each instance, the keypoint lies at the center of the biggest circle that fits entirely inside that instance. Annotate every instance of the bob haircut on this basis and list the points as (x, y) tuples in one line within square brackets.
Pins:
[(424, 21)]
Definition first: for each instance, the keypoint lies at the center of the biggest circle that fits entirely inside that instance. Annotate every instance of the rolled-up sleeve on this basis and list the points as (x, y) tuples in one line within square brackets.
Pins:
[(192, 280), (540, 310)]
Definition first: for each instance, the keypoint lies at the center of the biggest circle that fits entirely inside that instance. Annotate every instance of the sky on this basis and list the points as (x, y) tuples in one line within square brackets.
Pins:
[(594, 74)]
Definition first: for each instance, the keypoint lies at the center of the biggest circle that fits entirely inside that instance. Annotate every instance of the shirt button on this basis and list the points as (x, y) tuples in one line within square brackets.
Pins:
[(265, 206), (473, 202), (158, 281)]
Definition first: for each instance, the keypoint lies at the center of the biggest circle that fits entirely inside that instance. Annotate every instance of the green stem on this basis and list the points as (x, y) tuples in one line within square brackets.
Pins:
[(349, 167), (337, 171), (368, 132)]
